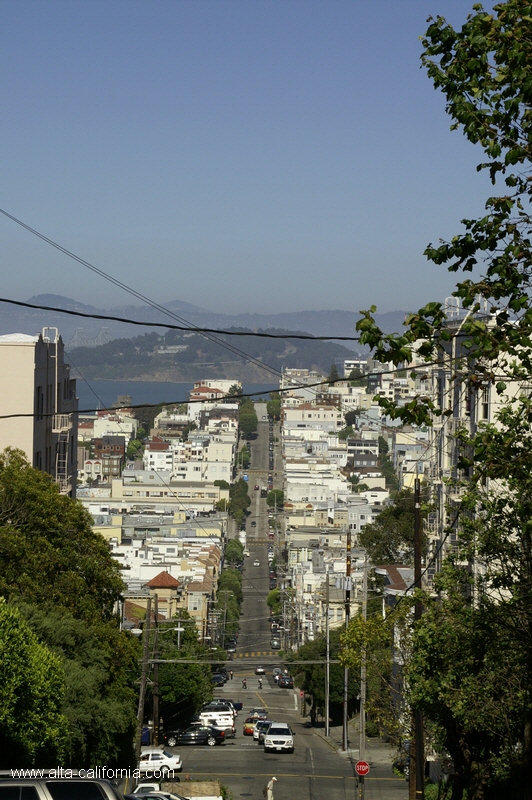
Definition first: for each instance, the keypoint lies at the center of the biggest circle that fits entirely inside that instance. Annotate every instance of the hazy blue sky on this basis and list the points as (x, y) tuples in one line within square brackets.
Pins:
[(262, 155)]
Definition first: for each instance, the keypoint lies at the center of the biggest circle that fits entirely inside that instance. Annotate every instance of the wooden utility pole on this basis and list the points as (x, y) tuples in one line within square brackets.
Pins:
[(345, 740), (328, 654), (417, 750), (143, 678), (155, 686)]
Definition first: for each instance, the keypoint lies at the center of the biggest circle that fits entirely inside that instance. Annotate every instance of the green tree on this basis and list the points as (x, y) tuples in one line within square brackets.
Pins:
[(231, 580), (100, 665), (234, 552), (479, 695), (273, 406), (49, 552), (134, 449), (275, 498), (274, 602), (357, 378), (390, 538), (33, 731), (311, 677)]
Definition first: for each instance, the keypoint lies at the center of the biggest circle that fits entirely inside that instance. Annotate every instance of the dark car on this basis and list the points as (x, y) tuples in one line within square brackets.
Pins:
[(273, 584), (286, 682), (236, 705), (218, 679), (195, 734), (275, 644)]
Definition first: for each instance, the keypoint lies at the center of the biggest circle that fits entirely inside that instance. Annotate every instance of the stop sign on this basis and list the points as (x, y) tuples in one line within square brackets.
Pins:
[(362, 768), (301, 693)]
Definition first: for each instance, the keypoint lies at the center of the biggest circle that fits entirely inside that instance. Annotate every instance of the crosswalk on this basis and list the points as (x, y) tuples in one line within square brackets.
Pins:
[(254, 654)]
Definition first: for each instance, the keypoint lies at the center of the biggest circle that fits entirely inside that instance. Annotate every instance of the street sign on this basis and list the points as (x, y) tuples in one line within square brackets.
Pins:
[(362, 768), (301, 693)]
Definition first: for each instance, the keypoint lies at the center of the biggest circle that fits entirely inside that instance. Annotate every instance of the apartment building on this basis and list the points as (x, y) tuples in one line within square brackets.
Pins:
[(38, 385)]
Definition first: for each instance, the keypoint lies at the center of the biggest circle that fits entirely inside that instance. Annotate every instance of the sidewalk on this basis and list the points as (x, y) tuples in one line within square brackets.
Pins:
[(381, 783)]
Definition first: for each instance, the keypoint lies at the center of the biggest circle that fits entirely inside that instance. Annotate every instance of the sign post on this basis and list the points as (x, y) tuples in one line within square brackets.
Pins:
[(361, 769)]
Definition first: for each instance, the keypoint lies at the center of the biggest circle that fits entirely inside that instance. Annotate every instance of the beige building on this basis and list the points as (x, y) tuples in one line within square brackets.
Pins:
[(37, 385)]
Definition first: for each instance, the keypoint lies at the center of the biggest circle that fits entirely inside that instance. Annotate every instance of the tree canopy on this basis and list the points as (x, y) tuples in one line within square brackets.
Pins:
[(471, 667)]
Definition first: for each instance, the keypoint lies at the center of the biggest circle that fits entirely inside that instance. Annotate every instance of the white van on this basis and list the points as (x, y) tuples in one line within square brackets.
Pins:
[(221, 720)]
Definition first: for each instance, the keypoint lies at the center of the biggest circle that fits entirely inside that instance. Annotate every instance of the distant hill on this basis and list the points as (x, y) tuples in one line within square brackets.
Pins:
[(184, 357), (15, 319)]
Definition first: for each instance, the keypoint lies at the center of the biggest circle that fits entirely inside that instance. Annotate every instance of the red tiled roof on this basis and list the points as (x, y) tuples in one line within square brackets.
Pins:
[(163, 581)]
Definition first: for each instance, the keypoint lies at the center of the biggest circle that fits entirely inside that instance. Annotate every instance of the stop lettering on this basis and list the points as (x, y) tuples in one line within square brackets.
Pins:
[(362, 768)]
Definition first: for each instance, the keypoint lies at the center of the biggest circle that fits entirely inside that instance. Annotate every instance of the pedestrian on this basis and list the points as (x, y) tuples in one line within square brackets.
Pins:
[(260, 683), (268, 789), (231, 674), (244, 683)]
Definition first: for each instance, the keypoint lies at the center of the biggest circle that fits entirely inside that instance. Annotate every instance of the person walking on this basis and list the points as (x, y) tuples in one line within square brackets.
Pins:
[(260, 683), (244, 683), (268, 789), (231, 674)]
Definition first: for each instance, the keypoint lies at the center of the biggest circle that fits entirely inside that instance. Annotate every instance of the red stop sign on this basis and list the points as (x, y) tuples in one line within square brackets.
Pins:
[(301, 693), (362, 768)]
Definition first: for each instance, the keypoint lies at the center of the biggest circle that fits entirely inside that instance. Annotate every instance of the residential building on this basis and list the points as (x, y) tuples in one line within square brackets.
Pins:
[(38, 404)]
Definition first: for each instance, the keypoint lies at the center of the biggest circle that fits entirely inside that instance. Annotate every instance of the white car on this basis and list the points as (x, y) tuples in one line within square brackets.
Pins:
[(156, 762), (256, 563), (279, 737)]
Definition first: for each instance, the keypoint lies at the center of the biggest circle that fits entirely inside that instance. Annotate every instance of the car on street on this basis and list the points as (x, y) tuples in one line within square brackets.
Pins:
[(261, 727), (158, 762), (253, 524), (217, 679), (249, 726), (279, 738), (260, 670), (275, 644), (257, 487), (195, 735), (286, 682), (256, 563), (258, 713)]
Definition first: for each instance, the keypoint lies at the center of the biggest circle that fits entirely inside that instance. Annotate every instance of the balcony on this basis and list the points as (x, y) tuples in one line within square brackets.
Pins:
[(61, 423)]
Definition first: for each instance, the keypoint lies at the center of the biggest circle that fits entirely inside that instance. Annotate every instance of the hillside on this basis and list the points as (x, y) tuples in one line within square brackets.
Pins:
[(182, 357)]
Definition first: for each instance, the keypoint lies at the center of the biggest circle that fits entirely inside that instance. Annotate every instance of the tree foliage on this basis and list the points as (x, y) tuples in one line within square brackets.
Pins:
[(471, 669), (234, 552), (275, 498), (273, 406), (100, 664), (390, 538), (49, 552), (33, 730)]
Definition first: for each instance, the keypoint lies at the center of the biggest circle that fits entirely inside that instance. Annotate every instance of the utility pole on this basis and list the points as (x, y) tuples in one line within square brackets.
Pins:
[(345, 742), (143, 678), (155, 687), (362, 714), (417, 755), (328, 654)]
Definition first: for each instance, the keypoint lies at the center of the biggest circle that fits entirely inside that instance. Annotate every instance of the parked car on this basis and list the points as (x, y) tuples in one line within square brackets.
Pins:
[(261, 727), (218, 679), (236, 705), (195, 734), (157, 762), (286, 682), (249, 726), (147, 788), (279, 738)]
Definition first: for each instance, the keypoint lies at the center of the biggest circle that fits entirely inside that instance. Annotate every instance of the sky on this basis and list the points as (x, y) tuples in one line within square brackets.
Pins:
[(240, 155)]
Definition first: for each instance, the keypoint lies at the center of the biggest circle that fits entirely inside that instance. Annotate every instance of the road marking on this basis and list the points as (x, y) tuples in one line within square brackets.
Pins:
[(261, 700), (297, 775), (295, 702)]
